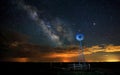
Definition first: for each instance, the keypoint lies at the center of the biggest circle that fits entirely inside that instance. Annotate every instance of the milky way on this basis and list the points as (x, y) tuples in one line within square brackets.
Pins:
[(55, 29)]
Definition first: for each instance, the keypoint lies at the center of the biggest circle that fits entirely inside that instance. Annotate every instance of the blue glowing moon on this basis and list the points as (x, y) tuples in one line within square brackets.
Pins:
[(79, 37)]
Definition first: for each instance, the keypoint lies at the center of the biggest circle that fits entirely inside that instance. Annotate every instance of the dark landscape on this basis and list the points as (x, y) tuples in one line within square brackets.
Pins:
[(59, 68)]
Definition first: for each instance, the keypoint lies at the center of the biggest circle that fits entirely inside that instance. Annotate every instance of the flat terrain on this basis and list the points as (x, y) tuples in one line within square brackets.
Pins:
[(97, 68)]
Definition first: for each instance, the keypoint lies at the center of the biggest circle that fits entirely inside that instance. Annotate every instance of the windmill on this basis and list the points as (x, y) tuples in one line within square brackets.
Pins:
[(80, 38), (81, 59)]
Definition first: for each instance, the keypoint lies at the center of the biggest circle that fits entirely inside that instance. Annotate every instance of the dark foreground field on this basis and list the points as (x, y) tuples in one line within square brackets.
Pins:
[(106, 68)]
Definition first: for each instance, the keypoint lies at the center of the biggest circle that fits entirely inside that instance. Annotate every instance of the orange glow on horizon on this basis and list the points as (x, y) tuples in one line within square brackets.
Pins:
[(109, 53), (65, 60), (62, 55), (19, 59), (112, 60)]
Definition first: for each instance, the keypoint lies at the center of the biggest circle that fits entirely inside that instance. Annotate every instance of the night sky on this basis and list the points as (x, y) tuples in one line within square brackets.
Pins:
[(50, 27)]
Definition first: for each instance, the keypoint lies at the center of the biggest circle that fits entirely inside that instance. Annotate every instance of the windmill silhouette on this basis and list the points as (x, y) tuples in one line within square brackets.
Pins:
[(81, 65)]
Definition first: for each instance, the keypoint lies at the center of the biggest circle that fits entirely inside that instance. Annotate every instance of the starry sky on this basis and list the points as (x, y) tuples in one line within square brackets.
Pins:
[(50, 26)]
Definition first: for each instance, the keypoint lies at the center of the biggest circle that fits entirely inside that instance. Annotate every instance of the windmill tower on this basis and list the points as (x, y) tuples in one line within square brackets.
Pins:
[(81, 59)]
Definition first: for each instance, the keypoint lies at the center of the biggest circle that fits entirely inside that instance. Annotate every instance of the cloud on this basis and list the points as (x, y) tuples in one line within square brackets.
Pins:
[(106, 49), (10, 36), (35, 53), (112, 48)]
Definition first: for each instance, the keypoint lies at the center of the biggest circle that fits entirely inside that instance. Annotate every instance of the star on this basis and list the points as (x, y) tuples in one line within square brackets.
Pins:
[(94, 23), (49, 26)]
